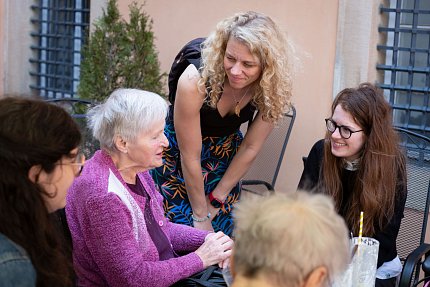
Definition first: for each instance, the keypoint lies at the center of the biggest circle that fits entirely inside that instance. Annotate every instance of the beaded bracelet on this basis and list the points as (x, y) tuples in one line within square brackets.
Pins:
[(196, 219)]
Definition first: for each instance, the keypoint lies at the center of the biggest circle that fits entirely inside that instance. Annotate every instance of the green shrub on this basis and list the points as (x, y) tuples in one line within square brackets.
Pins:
[(120, 54)]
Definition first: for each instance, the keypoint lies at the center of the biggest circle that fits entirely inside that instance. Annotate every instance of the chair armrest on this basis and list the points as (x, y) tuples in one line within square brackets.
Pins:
[(411, 262), (261, 183)]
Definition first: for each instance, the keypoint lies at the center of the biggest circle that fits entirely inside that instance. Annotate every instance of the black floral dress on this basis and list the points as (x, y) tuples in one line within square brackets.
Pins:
[(221, 139)]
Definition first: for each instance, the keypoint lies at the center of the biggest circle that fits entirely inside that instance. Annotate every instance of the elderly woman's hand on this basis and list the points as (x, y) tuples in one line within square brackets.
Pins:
[(225, 263), (216, 248)]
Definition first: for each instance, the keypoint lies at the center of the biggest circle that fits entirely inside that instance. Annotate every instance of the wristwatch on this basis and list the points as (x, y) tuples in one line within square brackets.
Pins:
[(215, 202)]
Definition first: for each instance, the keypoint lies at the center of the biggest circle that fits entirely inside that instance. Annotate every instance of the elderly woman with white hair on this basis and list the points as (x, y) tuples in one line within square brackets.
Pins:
[(294, 240), (115, 214)]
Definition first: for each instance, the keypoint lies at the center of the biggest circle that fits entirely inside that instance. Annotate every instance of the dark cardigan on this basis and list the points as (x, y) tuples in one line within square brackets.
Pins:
[(387, 236)]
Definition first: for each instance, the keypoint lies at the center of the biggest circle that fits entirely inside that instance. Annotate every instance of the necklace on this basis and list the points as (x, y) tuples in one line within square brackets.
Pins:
[(237, 107)]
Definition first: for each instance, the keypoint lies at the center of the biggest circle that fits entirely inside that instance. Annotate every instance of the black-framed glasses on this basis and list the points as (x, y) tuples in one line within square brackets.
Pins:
[(79, 163), (344, 131)]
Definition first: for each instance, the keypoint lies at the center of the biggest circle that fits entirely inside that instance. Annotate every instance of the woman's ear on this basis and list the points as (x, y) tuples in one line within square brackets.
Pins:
[(316, 278), (33, 173), (120, 144)]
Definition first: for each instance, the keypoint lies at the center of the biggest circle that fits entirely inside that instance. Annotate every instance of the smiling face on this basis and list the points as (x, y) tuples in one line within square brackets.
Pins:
[(241, 66), (349, 149)]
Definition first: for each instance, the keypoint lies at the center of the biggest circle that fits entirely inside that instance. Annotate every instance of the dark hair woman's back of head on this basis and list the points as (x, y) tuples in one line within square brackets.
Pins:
[(33, 133)]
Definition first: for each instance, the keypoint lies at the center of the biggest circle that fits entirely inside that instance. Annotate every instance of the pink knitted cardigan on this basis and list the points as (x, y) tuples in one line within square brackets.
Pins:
[(111, 245)]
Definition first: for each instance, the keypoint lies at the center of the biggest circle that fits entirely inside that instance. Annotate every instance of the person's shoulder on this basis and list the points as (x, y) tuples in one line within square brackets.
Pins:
[(188, 81), (92, 182), (8, 245), (190, 75), (10, 251), (188, 94), (316, 153), (95, 171), (318, 146), (16, 268)]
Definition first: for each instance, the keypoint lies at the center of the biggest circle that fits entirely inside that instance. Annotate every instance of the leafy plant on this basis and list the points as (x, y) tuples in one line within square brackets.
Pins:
[(120, 54)]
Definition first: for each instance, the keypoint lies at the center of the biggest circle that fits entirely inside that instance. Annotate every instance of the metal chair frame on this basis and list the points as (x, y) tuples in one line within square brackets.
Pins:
[(417, 148), (72, 105), (420, 257), (252, 181), (77, 108)]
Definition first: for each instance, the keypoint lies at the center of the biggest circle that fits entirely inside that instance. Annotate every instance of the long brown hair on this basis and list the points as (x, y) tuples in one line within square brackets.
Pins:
[(382, 166), (32, 133)]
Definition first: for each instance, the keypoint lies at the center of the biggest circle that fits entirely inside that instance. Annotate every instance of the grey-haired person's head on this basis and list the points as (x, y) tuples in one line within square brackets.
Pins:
[(126, 113), (284, 238)]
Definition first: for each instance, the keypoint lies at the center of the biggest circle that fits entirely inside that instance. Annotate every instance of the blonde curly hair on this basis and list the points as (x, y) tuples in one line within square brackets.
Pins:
[(265, 40)]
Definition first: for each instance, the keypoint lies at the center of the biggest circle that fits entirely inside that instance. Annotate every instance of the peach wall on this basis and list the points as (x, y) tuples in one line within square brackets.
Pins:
[(15, 46), (357, 38), (3, 22), (311, 26)]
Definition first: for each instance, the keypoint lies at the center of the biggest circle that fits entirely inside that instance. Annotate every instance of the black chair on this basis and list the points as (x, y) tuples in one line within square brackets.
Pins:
[(420, 257), (410, 241), (262, 175), (77, 108)]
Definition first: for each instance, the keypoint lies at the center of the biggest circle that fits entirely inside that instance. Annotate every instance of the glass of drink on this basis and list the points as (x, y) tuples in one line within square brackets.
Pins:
[(361, 271), (344, 279), (365, 261)]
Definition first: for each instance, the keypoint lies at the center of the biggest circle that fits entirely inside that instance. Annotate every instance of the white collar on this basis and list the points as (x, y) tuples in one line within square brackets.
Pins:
[(351, 165)]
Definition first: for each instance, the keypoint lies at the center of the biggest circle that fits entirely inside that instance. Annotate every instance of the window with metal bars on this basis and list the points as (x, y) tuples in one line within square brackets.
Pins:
[(60, 31), (407, 63)]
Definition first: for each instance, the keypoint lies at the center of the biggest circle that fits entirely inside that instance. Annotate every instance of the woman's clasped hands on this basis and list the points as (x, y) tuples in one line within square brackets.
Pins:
[(216, 249)]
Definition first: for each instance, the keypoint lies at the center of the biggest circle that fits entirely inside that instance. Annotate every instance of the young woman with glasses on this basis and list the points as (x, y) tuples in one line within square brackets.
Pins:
[(360, 164), (39, 159)]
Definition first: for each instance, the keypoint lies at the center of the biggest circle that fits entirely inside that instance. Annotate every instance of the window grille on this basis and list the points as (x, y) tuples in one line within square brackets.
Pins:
[(407, 64), (60, 31)]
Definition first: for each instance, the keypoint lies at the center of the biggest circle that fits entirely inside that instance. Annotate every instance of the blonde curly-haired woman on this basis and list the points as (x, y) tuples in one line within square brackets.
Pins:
[(243, 69)]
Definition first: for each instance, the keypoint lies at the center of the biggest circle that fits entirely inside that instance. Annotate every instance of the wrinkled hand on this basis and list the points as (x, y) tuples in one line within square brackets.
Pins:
[(225, 263), (205, 225), (216, 249)]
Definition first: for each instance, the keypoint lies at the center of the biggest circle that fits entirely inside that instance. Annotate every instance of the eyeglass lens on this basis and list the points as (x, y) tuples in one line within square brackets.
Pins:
[(80, 158), (80, 161), (344, 131)]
